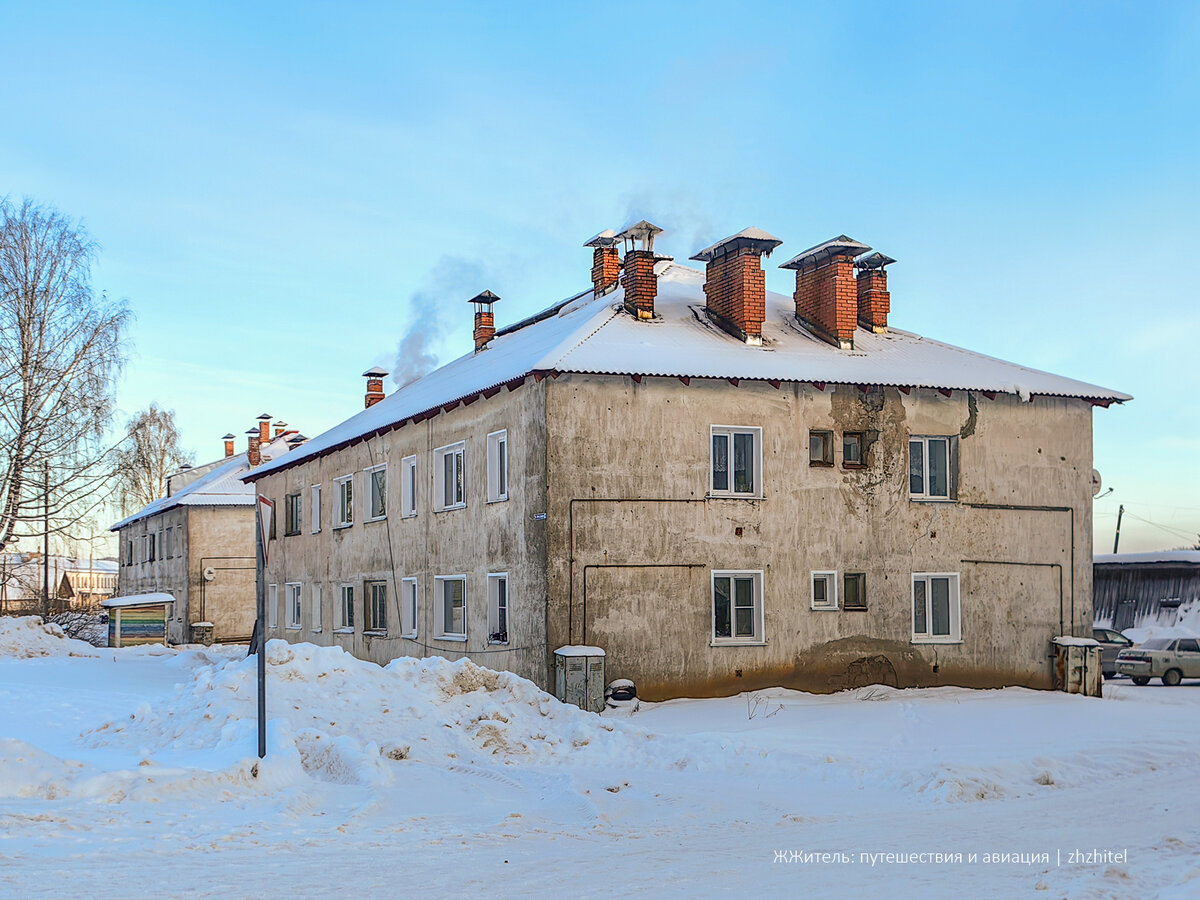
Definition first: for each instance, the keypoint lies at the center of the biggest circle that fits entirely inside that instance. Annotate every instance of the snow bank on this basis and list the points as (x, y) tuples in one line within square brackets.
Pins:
[(27, 636), (1186, 624)]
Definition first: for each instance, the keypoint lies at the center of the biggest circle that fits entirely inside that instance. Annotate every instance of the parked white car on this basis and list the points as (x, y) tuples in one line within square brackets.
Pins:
[(1171, 659)]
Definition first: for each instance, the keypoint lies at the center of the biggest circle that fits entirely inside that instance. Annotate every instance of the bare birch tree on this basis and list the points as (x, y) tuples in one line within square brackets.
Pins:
[(150, 452), (61, 348)]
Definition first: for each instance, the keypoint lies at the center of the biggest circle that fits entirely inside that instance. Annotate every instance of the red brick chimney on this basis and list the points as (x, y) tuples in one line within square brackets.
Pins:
[(874, 299), (606, 262), (375, 393), (485, 321), (639, 281), (264, 429), (254, 446), (734, 284), (826, 293), (279, 428), (228, 439)]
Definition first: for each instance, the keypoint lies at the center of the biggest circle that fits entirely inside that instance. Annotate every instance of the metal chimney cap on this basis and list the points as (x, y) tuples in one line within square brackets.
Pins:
[(228, 437), (754, 238), (377, 372), (640, 231), (606, 238), (876, 260), (838, 246), (265, 417), (253, 431), (485, 297)]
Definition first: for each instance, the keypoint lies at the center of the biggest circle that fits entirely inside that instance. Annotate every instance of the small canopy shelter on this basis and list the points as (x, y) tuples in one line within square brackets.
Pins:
[(138, 619)]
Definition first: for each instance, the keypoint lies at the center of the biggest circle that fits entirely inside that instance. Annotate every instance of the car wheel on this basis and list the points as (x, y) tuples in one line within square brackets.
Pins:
[(1140, 679), (1172, 677), (1108, 675)]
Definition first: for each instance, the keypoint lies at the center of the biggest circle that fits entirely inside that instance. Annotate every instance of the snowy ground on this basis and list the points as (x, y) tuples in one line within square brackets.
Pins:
[(131, 773)]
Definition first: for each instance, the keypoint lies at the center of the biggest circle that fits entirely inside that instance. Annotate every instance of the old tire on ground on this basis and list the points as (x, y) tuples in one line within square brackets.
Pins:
[(1172, 677), (1140, 679)]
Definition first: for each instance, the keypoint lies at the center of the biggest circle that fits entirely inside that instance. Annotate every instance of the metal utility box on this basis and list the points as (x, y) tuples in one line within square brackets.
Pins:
[(579, 676), (1078, 668)]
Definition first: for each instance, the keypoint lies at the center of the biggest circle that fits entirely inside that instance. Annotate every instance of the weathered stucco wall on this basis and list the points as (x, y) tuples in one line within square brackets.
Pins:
[(222, 538), (633, 538), (479, 539)]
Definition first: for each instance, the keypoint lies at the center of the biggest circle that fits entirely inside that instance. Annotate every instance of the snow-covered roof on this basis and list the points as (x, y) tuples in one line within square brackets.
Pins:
[(589, 334), (1185, 557), (153, 598), (221, 486)]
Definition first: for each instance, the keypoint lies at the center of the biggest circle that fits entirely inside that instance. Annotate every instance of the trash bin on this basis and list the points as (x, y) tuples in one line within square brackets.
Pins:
[(1078, 668)]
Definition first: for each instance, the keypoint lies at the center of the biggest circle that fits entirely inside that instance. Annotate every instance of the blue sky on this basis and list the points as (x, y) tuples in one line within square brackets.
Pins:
[(283, 191)]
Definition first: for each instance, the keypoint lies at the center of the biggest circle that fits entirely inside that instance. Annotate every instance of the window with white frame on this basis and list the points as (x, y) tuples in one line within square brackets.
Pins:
[(315, 598), (736, 461), (498, 608), (343, 502), (292, 600), (936, 611), (824, 590), (346, 607), (408, 486), (272, 606), (408, 607), (450, 489), (930, 467), (316, 508), (497, 466), (375, 606), (451, 611), (737, 607), (376, 493)]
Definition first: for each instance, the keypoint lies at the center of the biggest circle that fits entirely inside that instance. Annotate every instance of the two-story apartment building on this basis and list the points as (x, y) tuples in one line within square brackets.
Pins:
[(197, 542), (722, 487)]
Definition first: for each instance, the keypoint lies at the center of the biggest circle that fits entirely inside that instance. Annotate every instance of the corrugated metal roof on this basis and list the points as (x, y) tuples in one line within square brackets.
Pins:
[(592, 335), (222, 486)]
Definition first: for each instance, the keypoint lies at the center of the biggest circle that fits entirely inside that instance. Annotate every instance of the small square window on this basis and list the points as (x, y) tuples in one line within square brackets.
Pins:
[(854, 450), (824, 590), (854, 591), (820, 448)]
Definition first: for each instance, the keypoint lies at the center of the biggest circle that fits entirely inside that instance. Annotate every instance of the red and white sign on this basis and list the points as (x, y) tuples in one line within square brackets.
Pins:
[(266, 509)]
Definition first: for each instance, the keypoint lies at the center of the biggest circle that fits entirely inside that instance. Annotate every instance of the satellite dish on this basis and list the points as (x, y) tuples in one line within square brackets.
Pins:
[(209, 573), (1095, 482)]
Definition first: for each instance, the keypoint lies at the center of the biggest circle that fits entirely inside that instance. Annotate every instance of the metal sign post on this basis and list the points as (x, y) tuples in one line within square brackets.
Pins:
[(265, 510)]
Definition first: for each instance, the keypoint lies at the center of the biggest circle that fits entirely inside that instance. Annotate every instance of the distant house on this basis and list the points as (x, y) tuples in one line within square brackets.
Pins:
[(722, 487), (197, 543), (75, 584), (1135, 590)]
